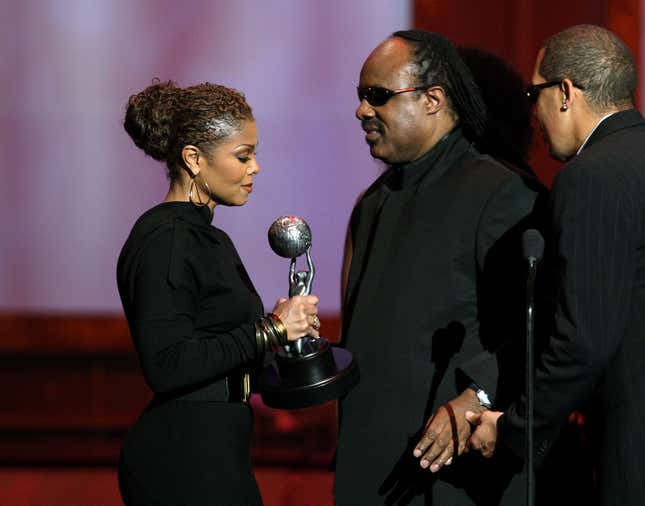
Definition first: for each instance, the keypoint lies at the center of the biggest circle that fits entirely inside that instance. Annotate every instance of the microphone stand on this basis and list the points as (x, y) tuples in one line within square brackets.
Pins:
[(533, 248), (530, 329)]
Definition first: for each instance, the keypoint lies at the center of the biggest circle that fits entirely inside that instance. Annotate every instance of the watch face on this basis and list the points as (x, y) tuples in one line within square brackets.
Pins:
[(483, 398)]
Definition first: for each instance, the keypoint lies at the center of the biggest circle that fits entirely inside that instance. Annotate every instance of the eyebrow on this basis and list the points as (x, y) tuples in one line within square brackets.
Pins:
[(252, 146)]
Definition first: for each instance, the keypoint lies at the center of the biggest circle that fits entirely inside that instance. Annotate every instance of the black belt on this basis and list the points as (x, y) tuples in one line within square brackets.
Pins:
[(232, 388)]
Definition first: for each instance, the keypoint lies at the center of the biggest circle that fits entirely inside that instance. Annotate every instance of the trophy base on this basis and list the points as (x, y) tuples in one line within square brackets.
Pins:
[(322, 375)]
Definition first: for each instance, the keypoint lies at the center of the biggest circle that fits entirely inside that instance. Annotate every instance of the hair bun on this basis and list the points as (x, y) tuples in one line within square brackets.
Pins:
[(149, 117)]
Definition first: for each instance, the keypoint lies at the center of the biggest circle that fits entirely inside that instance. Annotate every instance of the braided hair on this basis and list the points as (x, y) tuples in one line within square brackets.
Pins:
[(437, 62)]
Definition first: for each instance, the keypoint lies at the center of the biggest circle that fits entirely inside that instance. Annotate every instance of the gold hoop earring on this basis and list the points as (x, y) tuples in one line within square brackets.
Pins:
[(193, 187)]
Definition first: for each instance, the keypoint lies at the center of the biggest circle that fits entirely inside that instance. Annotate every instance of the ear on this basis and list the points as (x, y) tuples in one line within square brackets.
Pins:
[(570, 92), (191, 155), (435, 99)]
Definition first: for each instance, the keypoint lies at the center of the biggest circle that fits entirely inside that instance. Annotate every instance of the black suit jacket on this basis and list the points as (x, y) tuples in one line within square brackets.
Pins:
[(428, 298), (597, 352)]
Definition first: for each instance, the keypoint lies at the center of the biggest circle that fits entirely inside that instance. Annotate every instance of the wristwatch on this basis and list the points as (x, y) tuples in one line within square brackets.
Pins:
[(482, 396)]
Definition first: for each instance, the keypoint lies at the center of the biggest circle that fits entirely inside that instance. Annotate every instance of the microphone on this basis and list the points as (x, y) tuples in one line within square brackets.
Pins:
[(532, 245), (533, 249)]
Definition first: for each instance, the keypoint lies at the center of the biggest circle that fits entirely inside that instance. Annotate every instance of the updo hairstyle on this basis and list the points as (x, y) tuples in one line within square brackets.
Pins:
[(164, 118)]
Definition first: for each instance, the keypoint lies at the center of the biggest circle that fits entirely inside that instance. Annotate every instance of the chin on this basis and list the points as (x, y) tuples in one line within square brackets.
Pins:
[(379, 154), (559, 155), (233, 202)]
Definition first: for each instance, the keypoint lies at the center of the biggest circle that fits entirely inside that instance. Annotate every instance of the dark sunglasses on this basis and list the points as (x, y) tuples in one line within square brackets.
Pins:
[(377, 96), (533, 91)]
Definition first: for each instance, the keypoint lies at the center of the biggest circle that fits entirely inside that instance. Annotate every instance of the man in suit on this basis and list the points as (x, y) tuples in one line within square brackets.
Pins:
[(431, 248), (583, 86)]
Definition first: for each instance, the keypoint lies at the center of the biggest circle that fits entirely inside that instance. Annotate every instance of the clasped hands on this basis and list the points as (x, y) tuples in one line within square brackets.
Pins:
[(455, 428)]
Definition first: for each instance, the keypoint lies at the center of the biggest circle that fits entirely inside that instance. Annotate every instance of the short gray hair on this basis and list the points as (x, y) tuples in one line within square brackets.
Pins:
[(595, 59)]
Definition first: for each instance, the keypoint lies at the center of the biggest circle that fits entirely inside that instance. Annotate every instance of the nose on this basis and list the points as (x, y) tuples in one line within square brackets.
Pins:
[(254, 167), (365, 110)]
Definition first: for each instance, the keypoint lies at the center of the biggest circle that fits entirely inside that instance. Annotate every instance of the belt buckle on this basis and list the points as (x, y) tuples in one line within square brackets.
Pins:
[(246, 387)]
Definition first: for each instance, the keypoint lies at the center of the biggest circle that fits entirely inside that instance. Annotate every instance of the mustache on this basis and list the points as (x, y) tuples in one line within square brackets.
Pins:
[(371, 124)]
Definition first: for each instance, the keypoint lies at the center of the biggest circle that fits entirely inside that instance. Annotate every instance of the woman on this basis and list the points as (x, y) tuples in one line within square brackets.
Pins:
[(195, 318)]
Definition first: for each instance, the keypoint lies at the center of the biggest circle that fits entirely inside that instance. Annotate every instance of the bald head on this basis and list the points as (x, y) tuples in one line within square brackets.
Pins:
[(392, 58)]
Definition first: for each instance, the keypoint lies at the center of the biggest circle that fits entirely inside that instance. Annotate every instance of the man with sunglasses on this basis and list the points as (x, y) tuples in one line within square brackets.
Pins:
[(430, 285), (583, 88)]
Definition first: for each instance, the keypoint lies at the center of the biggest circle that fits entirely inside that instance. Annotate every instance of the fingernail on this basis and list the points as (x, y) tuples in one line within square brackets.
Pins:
[(435, 467), (449, 461), (417, 453), (424, 464)]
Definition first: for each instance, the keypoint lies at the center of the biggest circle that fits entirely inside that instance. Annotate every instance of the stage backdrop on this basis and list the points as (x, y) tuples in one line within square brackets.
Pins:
[(73, 182)]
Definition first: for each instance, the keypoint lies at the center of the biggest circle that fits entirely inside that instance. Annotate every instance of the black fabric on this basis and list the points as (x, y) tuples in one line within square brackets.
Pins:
[(428, 305), (596, 355), (190, 306)]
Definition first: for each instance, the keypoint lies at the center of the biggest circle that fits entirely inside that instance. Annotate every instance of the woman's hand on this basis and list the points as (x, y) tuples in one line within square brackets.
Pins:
[(299, 315)]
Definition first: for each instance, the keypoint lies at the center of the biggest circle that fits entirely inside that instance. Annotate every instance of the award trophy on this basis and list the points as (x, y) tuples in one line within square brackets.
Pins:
[(307, 371)]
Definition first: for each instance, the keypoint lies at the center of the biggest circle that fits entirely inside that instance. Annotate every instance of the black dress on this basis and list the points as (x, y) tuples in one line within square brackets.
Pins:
[(190, 307)]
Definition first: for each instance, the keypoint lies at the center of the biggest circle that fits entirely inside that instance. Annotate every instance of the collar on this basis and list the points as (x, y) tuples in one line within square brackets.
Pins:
[(593, 130), (621, 120), (410, 174), (188, 212)]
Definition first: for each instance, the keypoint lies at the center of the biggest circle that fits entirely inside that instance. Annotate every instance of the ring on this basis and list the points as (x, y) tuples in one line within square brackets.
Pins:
[(316, 322)]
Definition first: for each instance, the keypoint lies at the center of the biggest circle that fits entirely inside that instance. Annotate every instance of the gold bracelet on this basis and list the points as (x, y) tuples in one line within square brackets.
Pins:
[(281, 330), (269, 334), (261, 340)]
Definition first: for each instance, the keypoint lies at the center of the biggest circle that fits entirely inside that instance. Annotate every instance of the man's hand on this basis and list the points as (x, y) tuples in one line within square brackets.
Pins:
[(447, 431), (484, 439)]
